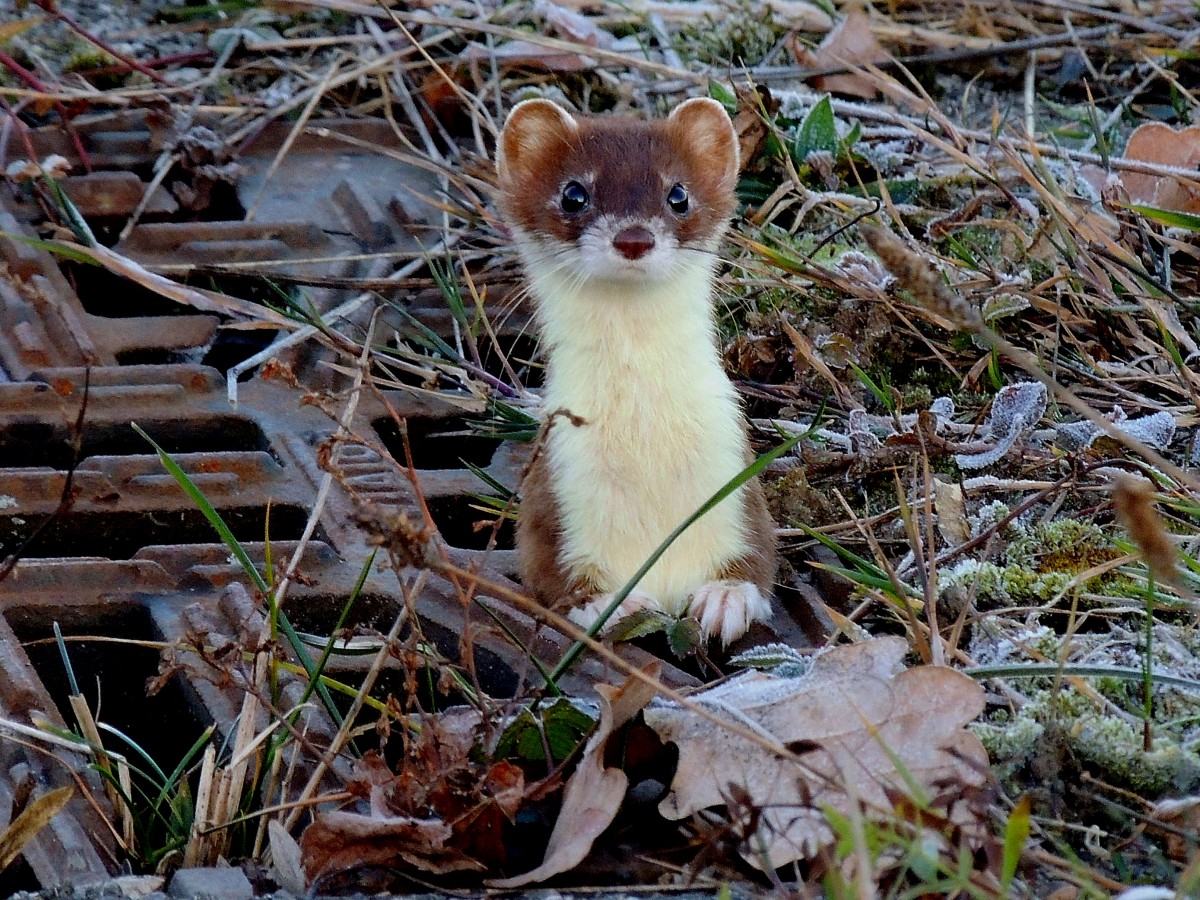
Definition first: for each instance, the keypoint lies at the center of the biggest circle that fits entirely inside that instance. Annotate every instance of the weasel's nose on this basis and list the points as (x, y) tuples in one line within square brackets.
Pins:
[(634, 243)]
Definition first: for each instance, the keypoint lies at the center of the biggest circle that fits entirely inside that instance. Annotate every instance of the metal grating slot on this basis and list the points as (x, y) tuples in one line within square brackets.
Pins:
[(437, 443), (38, 444), (465, 524), (113, 674)]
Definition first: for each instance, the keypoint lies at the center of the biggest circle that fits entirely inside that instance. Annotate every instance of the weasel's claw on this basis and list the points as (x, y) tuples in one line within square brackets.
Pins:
[(726, 608), (585, 616)]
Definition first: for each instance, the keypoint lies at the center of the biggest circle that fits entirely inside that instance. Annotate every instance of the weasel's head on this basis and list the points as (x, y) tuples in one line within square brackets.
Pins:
[(618, 198)]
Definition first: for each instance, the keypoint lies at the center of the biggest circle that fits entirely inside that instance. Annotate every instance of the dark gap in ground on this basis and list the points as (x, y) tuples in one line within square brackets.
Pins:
[(456, 518), (113, 678), (34, 444), (318, 614), (103, 293), (436, 443), (521, 351), (155, 356), (18, 876), (120, 534), (235, 346)]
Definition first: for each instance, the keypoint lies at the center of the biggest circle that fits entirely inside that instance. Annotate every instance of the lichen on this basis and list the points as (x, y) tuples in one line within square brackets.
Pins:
[(1011, 743)]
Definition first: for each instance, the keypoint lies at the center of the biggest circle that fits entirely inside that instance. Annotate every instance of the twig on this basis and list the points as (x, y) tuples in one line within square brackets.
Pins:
[(36, 83), (941, 57)]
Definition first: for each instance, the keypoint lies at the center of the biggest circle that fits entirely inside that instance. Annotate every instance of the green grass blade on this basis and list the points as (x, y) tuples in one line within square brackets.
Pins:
[(1036, 670), (239, 553), (62, 651), (728, 488), (210, 512)]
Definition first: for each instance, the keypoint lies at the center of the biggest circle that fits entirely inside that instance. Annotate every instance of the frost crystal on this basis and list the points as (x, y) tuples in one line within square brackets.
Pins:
[(1015, 410), (867, 269), (1156, 430)]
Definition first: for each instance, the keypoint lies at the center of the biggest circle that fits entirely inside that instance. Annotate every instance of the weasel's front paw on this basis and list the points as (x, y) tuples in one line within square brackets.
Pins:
[(726, 608), (585, 616)]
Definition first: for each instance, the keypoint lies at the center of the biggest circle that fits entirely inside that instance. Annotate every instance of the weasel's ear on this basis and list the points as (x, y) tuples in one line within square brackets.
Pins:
[(703, 126), (535, 131)]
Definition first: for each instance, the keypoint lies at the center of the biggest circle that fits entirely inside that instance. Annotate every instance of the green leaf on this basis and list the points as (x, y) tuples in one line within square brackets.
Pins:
[(559, 726), (768, 657), (845, 144), (1170, 217), (684, 637), (640, 624), (817, 133), (723, 95)]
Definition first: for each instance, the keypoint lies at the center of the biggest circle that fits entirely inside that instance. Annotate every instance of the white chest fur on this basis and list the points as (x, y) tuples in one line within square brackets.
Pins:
[(639, 363)]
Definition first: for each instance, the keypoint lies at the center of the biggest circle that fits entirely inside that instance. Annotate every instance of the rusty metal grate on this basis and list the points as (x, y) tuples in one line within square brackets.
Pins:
[(131, 556)]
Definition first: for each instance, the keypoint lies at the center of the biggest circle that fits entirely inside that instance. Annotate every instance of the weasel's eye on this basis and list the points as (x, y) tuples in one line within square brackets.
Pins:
[(677, 199), (574, 198)]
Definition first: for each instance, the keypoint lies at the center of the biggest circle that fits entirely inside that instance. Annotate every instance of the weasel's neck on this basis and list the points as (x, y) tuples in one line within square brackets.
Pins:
[(626, 336)]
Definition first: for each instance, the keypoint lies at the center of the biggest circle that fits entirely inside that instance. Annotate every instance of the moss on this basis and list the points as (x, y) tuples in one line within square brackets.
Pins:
[(994, 585), (742, 37), (1011, 742), (1111, 744)]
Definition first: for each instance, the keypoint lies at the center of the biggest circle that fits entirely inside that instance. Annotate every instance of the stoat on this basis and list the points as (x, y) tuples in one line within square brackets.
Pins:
[(617, 222)]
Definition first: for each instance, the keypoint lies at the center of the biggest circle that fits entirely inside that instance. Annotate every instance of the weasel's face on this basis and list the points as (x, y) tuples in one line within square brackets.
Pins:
[(618, 199)]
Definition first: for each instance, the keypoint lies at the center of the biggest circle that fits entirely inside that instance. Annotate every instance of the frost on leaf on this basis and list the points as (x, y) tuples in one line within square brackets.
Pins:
[(859, 711), (1016, 408), (779, 659), (1003, 305), (1156, 430)]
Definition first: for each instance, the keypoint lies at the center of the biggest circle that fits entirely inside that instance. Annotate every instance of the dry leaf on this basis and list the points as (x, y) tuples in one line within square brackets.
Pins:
[(1160, 144), (440, 811), (750, 123), (285, 859), (851, 43), (33, 818), (341, 841), (594, 793), (1176, 819), (951, 513), (857, 707)]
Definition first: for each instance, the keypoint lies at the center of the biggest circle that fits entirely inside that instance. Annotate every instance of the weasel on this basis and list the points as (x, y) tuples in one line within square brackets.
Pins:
[(617, 222)]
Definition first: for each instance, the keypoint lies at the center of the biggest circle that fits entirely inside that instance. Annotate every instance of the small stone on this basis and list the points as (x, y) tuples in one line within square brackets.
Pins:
[(211, 884)]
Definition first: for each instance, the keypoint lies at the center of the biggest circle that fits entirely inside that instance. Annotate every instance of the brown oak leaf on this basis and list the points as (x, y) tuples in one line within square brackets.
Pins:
[(853, 718)]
